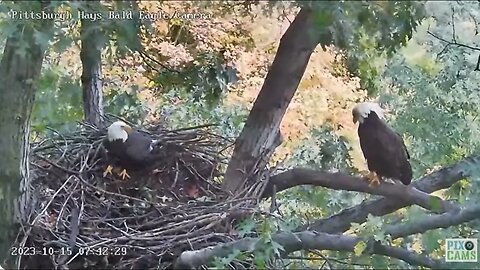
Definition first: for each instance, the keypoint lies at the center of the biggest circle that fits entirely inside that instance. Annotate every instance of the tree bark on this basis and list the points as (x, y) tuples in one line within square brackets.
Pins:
[(306, 240), (19, 71), (261, 128), (91, 57), (341, 181)]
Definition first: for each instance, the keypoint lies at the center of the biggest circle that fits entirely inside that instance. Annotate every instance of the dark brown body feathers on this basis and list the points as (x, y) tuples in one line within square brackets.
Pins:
[(384, 149), (134, 153)]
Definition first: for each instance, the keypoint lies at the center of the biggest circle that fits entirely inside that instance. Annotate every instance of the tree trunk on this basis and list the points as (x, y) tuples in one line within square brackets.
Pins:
[(19, 71), (261, 128), (91, 56)]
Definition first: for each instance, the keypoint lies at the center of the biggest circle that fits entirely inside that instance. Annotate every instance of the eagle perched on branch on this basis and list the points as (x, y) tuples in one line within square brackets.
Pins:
[(131, 149), (383, 148)]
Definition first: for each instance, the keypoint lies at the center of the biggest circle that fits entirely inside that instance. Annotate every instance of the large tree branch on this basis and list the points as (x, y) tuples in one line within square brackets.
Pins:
[(434, 222), (438, 180), (341, 181), (281, 83), (305, 240)]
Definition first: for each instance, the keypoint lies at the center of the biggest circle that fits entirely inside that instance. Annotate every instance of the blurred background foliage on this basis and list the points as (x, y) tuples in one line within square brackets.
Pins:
[(192, 72)]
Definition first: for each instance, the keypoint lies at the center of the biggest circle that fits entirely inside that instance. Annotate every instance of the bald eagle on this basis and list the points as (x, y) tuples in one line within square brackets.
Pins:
[(131, 149), (383, 148)]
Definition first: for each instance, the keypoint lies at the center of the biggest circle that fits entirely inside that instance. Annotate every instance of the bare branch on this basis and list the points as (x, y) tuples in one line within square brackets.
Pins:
[(434, 222), (305, 240), (341, 181), (477, 68), (146, 56), (453, 42), (440, 179), (474, 23), (453, 26)]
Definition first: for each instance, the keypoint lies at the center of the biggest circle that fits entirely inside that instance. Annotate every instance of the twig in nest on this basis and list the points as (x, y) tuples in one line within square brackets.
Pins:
[(37, 218)]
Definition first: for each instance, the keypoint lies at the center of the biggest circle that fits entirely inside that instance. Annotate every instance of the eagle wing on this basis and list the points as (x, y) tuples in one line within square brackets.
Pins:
[(138, 146), (403, 165), (404, 146), (386, 153), (114, 148)]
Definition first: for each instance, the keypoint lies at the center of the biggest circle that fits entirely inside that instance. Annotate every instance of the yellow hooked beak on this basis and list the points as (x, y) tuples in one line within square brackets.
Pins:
[(355, 118), (127, 128)]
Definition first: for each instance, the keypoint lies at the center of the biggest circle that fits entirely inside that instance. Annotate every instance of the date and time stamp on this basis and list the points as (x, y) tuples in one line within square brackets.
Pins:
[(67, 251)]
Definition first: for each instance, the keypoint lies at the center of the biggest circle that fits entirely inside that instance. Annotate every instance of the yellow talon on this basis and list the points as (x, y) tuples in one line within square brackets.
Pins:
[(371, 177), (364, 173), (374, 179), (108, 171), (124, 174)]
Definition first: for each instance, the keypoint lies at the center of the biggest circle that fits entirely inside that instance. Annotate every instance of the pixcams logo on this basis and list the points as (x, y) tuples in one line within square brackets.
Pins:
[(461, 250)]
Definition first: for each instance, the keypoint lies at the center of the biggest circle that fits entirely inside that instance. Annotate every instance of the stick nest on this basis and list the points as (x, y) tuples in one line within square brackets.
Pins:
[(82, 220)]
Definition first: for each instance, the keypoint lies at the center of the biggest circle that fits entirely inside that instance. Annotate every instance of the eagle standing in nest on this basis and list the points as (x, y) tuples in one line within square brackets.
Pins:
[(131, 149), (383, 148)]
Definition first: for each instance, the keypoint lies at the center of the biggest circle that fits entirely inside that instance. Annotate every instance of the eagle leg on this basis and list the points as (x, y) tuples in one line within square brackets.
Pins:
[(124, 174), (108, 170), (372, 178)]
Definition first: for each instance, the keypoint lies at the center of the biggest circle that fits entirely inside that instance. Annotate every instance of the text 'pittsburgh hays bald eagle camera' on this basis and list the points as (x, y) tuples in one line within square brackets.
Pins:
[(128, 148), (383, 148)]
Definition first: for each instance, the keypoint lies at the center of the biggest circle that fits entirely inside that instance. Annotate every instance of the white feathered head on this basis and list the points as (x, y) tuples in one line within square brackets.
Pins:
[(362, 110), (118, 130)]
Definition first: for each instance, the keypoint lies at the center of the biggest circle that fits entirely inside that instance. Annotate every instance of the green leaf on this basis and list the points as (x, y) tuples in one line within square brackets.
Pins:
[(374, 221), (41, 38), (323, 18), (359, 248), (379, 262), (62, 44), (245, 227), (277, 248), (430, 240), (260, 260), (227, 260), (435, 203), (379, 236)]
